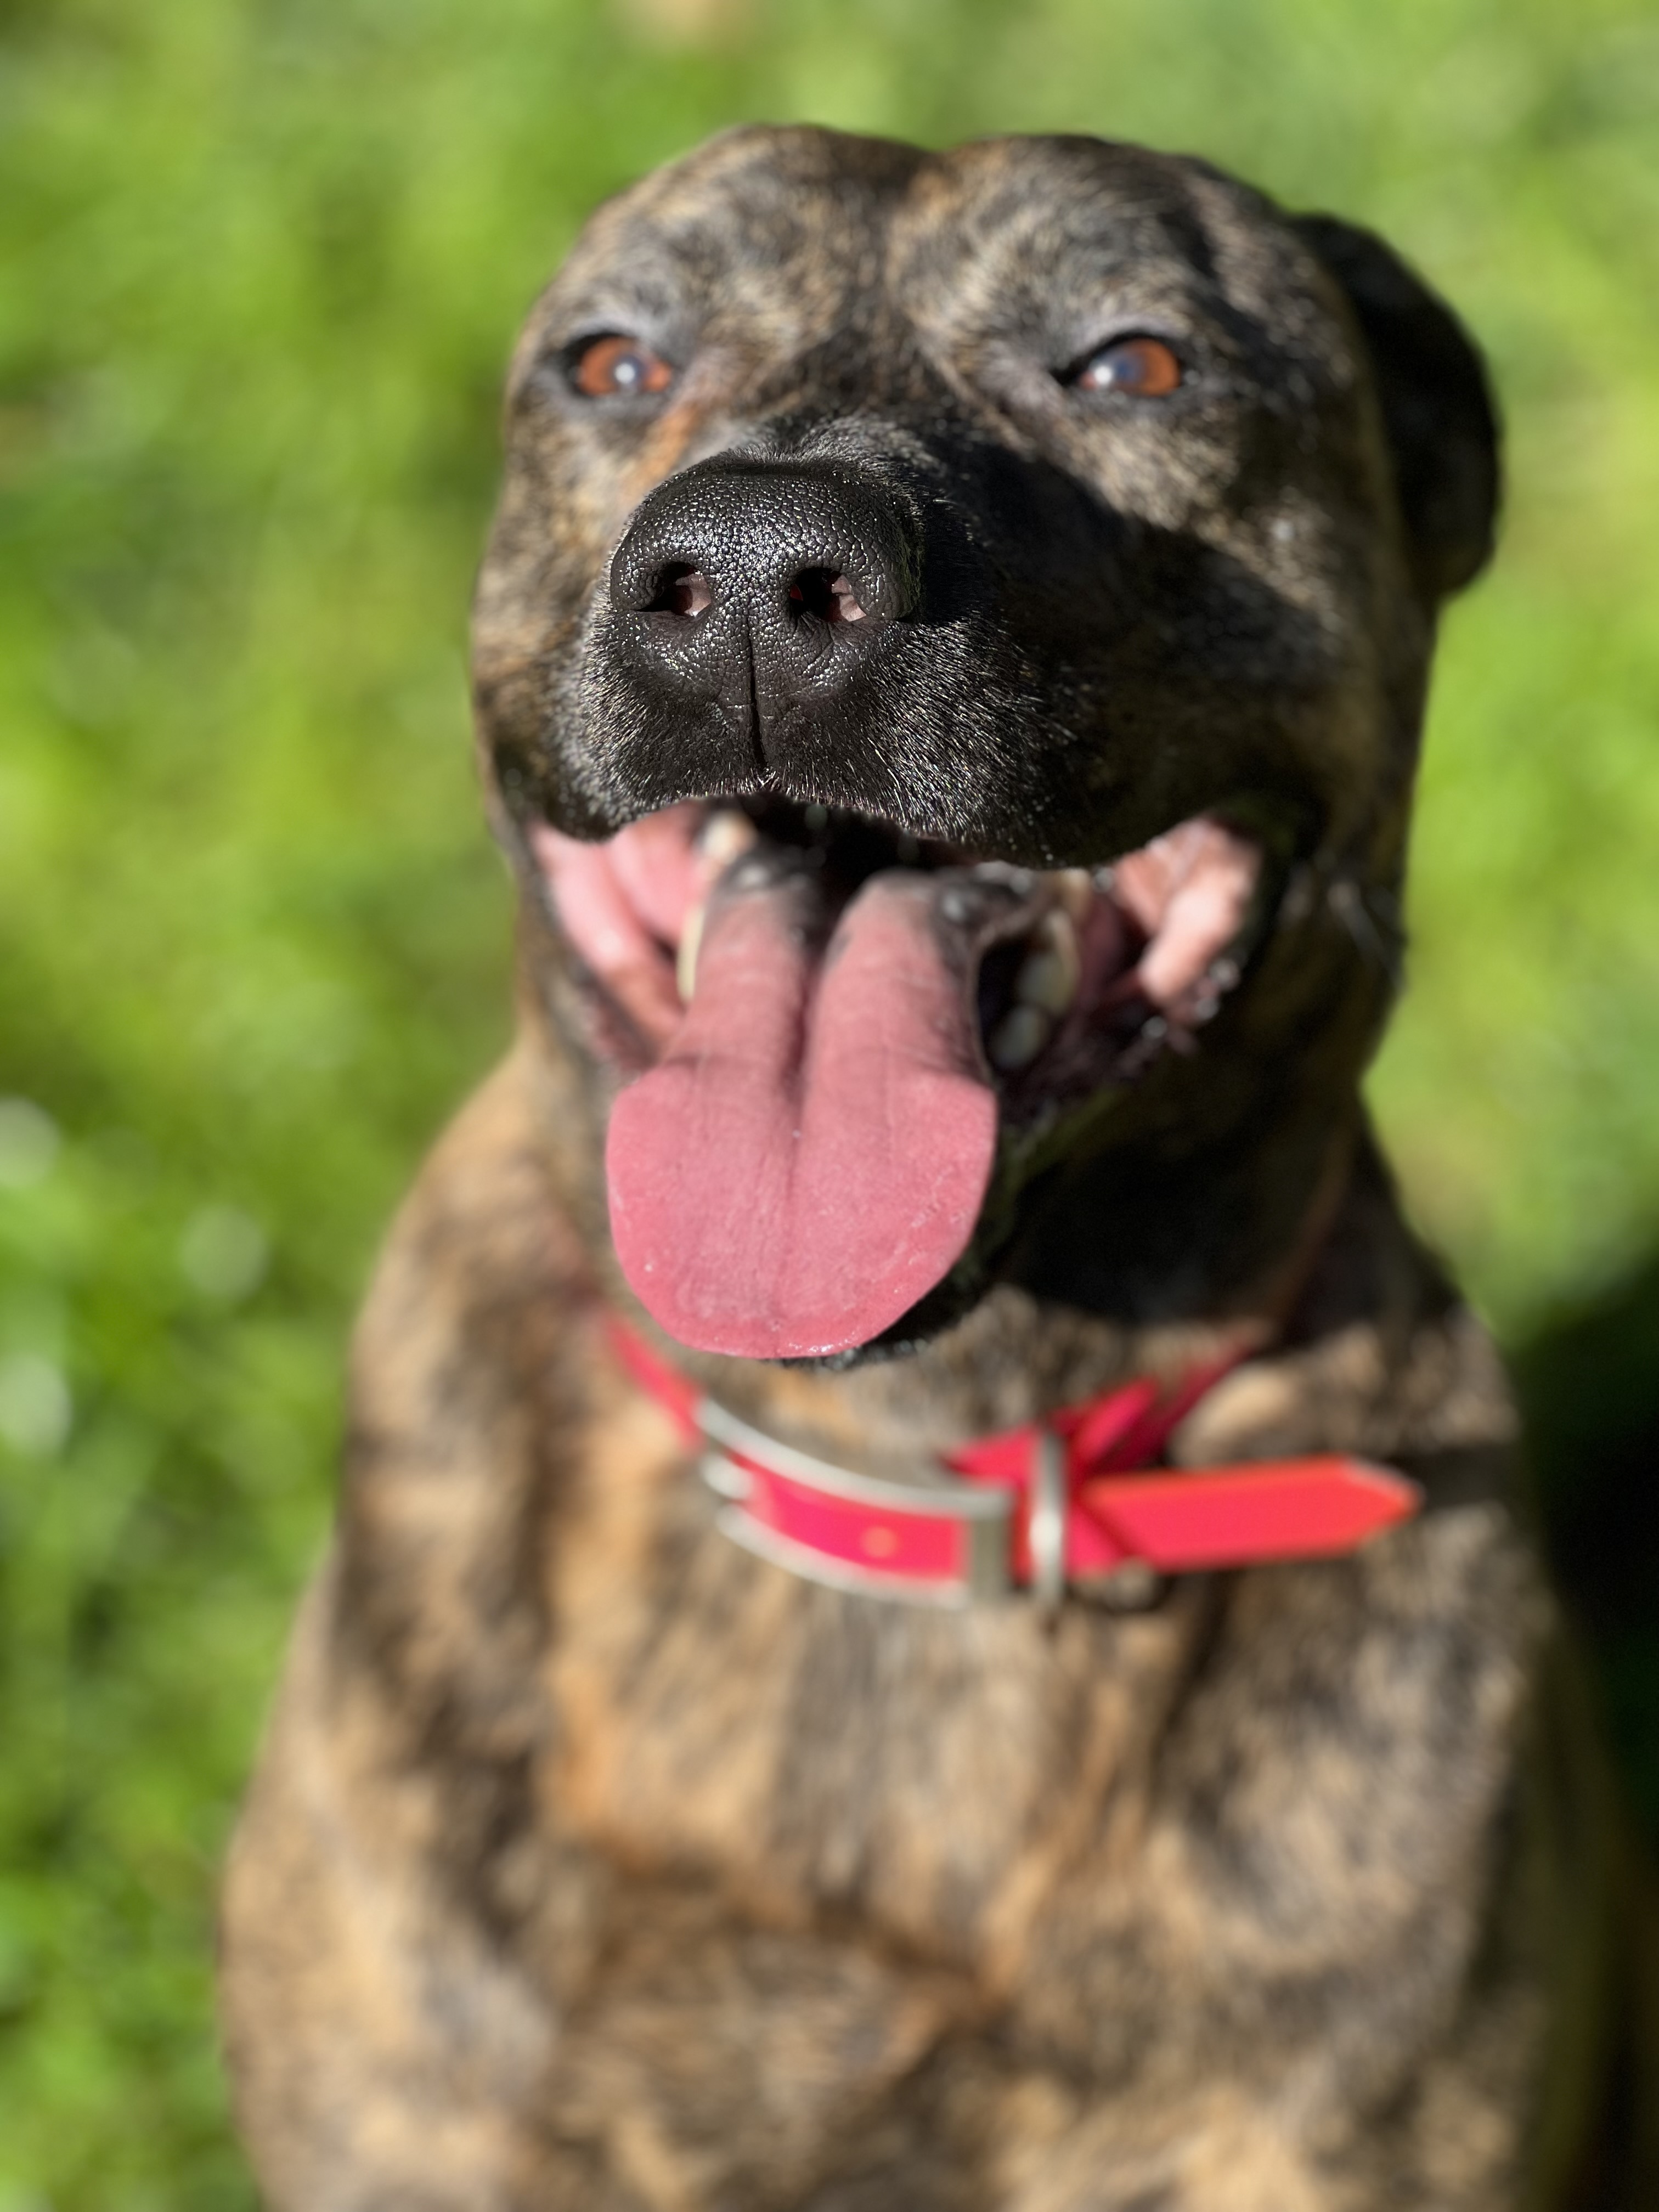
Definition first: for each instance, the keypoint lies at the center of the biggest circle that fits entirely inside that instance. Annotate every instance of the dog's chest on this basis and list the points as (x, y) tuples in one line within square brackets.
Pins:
[(835, 1751), (1050, 1811)]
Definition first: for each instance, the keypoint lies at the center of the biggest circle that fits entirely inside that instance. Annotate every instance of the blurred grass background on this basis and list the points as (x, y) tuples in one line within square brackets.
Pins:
[(262, 262)]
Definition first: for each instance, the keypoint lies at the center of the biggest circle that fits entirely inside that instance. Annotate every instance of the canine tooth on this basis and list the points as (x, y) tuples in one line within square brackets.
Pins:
[(1018, 1038), (685, 960), (1048, 976), (751, 874), (1017, 880), (1075, 890), (724, 835)]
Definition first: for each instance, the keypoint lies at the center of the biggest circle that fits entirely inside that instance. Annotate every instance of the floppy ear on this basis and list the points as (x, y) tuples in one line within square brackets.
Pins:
[(1437, 409)]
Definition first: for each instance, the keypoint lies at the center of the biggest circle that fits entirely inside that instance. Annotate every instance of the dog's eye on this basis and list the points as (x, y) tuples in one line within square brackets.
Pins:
[(616, 364), (1146, 368)]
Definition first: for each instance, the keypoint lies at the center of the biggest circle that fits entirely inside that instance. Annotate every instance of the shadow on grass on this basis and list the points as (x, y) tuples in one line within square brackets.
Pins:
[(1588, 1380)]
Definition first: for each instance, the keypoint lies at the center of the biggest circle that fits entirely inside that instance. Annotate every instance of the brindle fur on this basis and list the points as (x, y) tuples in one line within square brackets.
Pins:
[(593, 1862)]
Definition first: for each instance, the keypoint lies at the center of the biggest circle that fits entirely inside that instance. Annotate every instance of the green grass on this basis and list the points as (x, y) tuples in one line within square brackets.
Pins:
[(263, 260)]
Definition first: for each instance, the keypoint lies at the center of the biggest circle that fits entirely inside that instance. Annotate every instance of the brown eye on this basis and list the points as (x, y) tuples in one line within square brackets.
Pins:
[(1145, 367), (615, 364)]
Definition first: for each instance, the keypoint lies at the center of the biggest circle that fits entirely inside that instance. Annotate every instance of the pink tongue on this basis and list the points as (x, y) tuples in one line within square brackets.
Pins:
[(799, 1168)]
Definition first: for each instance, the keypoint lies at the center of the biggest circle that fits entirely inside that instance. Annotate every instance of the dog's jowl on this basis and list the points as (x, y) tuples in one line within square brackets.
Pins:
[(929, 1609)]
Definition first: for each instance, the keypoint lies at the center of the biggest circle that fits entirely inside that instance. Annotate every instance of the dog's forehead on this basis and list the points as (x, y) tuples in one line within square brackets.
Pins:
[(790, 234), (1015, 230), (770, 230), (1110, 205)]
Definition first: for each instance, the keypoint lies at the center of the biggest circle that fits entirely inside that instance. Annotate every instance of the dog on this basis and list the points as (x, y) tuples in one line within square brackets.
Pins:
[(932, 1607)]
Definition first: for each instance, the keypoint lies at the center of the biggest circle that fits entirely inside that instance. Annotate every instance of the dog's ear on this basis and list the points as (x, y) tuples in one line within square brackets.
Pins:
[(1438, 408)]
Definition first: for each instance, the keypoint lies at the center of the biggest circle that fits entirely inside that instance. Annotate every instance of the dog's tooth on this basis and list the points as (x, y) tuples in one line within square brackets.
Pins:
[(725, 835), (1047, 978), (685, 960), (754, 871), (1018, 1038), (1075, 890), (1020, 881)]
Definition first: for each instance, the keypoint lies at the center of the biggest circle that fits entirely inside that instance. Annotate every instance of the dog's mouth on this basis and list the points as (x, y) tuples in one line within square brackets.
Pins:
[(829, 1026)]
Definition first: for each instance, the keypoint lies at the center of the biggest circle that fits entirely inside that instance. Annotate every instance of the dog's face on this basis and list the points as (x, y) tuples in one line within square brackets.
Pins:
[(951, 657)]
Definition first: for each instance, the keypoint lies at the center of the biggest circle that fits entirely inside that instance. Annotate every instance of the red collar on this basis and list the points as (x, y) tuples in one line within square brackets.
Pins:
[(1068, 1502)]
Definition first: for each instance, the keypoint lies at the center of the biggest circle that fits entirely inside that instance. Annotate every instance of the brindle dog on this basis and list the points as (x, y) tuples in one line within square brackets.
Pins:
[(974, 611)]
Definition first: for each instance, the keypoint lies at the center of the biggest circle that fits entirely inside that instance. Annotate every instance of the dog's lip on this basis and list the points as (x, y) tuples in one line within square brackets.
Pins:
[(1093, 973)]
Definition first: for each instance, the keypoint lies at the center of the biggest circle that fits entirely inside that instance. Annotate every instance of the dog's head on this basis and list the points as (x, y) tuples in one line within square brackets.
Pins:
[(949, 660)]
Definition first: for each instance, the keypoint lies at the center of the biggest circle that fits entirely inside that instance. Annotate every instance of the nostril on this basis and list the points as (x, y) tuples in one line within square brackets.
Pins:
[(826, 593), (680, 590)]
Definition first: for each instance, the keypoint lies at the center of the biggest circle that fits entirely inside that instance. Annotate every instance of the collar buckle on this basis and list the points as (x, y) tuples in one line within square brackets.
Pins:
[(946, 1543)]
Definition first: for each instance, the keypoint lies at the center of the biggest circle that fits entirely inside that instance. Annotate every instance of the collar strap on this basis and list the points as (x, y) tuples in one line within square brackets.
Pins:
[(1073, 1502)]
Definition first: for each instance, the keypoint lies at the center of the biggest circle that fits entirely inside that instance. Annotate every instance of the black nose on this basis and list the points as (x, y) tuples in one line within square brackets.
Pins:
[(764, 587)]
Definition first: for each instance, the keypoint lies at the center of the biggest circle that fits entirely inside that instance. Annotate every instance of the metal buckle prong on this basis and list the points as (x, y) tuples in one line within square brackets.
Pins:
[(1046, 1523)]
